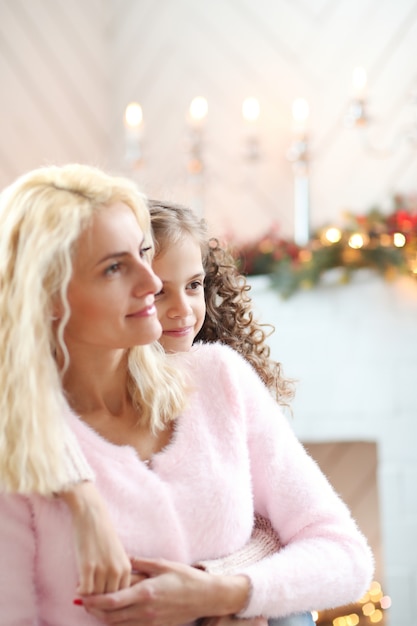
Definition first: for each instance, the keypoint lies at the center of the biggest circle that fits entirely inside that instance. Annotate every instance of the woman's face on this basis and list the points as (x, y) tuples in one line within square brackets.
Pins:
[(111, 293), (180, 303)]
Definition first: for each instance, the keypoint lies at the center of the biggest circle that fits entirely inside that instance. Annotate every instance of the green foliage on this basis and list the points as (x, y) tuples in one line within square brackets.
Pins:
[(384, 243)]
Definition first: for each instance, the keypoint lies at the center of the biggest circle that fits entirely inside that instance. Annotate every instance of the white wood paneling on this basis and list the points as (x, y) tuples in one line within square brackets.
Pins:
[(54, 84)]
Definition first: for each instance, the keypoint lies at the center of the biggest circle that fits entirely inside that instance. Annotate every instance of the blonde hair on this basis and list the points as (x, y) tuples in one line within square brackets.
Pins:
[(42, 215), (229, 311)]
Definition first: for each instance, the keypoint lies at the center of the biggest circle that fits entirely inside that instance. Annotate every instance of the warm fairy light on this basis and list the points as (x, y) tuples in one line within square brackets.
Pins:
[(315, 615), (333, 235), (251, 109), (198, 109), (133, 115), (359, 81), (356, 241), (368, 608), (412, 264), (377, 616), (399, 240), (305, 256), (385, 602), (385, 240)]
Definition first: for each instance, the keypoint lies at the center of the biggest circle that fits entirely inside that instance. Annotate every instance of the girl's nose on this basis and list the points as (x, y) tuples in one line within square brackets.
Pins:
[(180, 307)]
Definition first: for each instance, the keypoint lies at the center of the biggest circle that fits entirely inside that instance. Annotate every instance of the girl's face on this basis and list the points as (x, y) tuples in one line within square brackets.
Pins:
[(180, 303), (111, 292)]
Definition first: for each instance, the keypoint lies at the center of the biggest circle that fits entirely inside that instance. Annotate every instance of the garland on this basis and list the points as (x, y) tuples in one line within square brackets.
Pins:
[(384, 243)]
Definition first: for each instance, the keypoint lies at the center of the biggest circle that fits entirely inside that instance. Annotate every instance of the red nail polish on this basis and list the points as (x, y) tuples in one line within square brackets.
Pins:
[(78, 602)]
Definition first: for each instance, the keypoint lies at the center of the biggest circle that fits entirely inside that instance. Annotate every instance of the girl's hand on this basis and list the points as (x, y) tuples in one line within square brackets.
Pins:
[(103, 565), (171, 594)]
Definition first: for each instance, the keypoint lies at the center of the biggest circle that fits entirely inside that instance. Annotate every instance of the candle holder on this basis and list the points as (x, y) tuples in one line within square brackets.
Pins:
[(357, 117)]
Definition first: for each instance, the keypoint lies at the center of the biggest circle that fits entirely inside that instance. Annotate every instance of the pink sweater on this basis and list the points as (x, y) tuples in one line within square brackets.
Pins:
[(233, 453)]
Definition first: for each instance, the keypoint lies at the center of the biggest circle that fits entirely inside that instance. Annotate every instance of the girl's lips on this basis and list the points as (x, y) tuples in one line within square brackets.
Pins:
[(146, 312), (178, 332)]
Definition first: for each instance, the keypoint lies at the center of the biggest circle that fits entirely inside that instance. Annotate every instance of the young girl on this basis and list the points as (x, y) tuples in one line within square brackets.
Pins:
[(218, 294), (205, 298)]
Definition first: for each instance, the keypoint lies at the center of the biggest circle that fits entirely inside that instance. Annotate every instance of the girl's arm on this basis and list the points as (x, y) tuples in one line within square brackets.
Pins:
[(263, 542)]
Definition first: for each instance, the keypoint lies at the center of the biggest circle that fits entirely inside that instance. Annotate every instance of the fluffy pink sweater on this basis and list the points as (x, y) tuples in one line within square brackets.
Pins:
[(233, 453)]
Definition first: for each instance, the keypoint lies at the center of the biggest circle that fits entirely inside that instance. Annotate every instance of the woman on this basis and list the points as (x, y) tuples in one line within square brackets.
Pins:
[(184, 450)]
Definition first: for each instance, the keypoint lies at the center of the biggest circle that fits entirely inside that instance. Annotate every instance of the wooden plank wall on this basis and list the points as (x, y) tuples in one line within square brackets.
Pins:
[(68, 69)]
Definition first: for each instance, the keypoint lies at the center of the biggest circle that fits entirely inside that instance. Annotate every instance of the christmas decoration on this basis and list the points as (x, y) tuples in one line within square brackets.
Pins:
[(386, 243)]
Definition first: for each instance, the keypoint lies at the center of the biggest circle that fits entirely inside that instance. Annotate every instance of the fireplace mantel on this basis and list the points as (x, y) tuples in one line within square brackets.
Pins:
[(353, 350)]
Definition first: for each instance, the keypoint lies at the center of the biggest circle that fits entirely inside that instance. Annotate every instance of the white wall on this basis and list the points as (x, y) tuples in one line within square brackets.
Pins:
[(353, 350)]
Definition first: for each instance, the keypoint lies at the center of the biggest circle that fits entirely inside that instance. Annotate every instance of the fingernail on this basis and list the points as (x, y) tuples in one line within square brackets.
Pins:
[(78, 602)]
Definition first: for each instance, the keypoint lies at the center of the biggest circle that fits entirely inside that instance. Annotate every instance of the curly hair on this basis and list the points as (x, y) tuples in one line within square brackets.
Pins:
[(229, 317), (42, 215)]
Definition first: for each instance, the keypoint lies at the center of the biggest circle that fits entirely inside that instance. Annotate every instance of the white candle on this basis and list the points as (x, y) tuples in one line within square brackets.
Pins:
[(133, 132), (301, 209), (250, 112), (300, 115), (198, 111), (359, 82)]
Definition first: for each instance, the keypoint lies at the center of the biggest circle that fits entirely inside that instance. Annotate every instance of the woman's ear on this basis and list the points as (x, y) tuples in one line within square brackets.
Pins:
[(57, 309)]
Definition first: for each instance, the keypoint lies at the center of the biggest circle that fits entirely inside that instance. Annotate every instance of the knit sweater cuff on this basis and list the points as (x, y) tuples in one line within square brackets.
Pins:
[(263, 543)]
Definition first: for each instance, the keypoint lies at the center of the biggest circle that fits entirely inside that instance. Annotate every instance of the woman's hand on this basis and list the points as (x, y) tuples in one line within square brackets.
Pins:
[(230, 620), (103, 565), (171, 594)]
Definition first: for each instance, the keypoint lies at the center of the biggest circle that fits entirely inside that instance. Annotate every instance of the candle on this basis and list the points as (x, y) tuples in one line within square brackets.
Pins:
[(133, 133), (197, 114), (301, 208), (359, 82), (300, 115), (198, 111), (250, 112)]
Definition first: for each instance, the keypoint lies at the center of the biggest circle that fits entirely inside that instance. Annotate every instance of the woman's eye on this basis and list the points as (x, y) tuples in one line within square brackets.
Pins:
[(112, 269)]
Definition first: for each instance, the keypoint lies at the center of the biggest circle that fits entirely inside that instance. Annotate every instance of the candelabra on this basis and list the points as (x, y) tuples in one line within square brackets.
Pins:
[(357, 117)]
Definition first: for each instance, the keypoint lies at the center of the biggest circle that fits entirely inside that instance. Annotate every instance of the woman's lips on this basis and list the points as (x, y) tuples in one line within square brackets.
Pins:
[(145, 312)]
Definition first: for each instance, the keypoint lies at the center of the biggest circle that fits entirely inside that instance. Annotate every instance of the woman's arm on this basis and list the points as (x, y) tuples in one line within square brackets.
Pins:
[(101, 559), (18, 602), (103, 565)]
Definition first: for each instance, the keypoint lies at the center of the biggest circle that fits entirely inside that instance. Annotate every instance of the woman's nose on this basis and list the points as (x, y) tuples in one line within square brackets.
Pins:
[(147, 280)]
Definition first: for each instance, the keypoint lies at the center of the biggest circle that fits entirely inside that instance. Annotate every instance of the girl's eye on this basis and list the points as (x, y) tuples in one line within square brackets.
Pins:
[(112, 269), (196, 284), (144, 253), (160, 293)]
